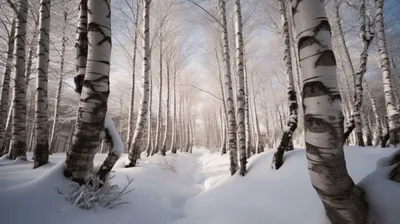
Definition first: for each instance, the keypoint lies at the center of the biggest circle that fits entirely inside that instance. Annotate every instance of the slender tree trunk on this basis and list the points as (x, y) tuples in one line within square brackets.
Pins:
[(159, 110), (150, 145), (232, 128), (378, 122), (367, 129), (60, 82), (18, 147), (132, 99), (31, 52), (293, 117), (95, 90), (167, 118), (247, 112), (392, 113), (5, 87), (41, 102), (241, 131), (341, 198), (366, 36), (225, 110), (174, 120), (143, 110)]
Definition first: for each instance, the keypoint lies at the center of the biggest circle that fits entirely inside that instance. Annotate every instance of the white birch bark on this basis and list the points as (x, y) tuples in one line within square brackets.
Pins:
[(132, 99), (18, 145), (366, 35), (41, 148), (59, 85), (341, 198), (31, 52), (150, 145), (167, 116), (232, 127), (240, 96), (392, 113), (247, 112), (286, 141), (378, 123), (174, 118), (95, 91), (159, 108), (143, 110), (5, 87)]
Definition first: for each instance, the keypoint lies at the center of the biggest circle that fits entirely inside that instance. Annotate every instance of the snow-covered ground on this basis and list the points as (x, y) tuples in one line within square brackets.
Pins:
[(179, 189)]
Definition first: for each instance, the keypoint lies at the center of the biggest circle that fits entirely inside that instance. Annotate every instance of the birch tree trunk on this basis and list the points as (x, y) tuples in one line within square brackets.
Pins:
[(5, 87), (143, 110), (378, 122), (32, 50), (232, 138), (18, 147), (174, 120), (241, 130), (367, 129), (60, 82), (341, 198), (225, 111), (366, 36), (293, 117), (247, 112), (392, 113), (167, 118), (150, 145), (41, 103), (95, 91), (159, 110), (132, 99)]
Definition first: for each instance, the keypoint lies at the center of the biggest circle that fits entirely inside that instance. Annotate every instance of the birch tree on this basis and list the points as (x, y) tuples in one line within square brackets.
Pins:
[(292, 122), (393, 115), (341, 198), (232, 127), (18, 147), (143, 110), (95, 88), (5, 86), (41, 130), (132, 99), (241, 131)]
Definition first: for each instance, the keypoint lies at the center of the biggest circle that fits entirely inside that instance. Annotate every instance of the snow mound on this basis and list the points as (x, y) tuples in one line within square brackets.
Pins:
[(382, 193), (194, 188)]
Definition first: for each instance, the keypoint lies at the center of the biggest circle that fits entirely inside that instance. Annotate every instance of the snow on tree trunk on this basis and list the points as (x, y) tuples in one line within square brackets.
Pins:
[(115, 145), (159, 108), (167, 118), (144, 109), (392, 113), (232, 138), (93, 102), (378, 122), (59, 86), (18, 145), (240, 96), (341, 198), (366, 35), (292, 122), (5, 87), (132, 99), (41, 102)]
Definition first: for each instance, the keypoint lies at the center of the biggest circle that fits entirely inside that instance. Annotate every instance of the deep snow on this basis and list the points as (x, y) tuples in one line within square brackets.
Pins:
[(191, 189)]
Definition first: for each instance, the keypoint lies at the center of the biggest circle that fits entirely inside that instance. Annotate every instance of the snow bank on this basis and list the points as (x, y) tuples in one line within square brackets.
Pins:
[(189, 188)]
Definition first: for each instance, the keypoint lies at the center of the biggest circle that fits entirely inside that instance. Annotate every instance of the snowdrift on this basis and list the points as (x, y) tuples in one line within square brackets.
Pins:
[(192, 188)]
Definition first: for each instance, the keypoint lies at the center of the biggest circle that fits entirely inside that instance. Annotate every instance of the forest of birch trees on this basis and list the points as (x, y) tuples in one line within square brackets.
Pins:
[(147, 77)]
